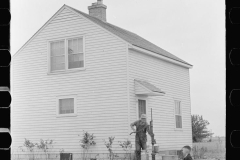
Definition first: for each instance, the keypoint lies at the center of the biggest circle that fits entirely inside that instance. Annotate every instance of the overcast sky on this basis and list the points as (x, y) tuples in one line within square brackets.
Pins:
[(193, 30)]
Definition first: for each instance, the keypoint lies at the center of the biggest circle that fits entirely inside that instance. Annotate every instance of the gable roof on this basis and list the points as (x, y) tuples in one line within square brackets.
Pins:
[(130, 37), (127, 36)]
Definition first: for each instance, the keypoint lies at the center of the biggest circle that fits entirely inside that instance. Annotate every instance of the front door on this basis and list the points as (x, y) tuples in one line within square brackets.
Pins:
[(141, 107)]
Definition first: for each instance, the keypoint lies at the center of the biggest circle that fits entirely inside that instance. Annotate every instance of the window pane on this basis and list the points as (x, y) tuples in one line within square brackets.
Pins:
[(80, 45), (57, 48), (177, 125), (52, 46), (75, 57), (177, 108), (61, 51), (55, 66), (70, 49), (75, 60), (58, 59), (178, 121), (75, 44), (77, 64), (66, 106), (141, 107), (61, 45)]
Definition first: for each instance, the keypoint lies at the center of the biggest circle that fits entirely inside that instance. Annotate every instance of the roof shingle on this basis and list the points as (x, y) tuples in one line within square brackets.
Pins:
[(130, 37)]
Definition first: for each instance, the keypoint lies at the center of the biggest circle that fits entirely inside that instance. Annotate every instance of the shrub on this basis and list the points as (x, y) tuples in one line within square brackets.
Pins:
[(109, 147), (45, 146), (30, 146), (199, 152), (126, 146), (86, 142)]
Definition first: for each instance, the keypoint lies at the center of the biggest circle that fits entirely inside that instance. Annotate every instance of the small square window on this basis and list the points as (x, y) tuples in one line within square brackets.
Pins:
[(66, 106)]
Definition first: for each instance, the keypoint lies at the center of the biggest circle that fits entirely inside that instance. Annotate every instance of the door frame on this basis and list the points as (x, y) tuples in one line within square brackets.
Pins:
[(147, 103), (146, 100)]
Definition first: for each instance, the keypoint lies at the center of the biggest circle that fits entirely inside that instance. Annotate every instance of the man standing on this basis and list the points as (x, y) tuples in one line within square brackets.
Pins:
[(141, 138)]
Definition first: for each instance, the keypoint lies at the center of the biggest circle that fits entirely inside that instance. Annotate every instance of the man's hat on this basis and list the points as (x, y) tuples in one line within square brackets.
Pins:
[(187, 147), (143, 116)]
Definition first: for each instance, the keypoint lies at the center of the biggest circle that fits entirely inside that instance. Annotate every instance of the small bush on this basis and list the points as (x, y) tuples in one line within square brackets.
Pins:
[(45, 146), (29, 145), (109, 147), (86, 142), (199, 152), (126, 146)]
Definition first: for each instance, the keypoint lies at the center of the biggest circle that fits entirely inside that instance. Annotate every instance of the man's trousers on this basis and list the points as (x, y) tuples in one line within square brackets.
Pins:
[(140, 143)]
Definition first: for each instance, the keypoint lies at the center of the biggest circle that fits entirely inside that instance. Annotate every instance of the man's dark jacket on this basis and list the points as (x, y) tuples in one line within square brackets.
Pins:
[(188, 157)]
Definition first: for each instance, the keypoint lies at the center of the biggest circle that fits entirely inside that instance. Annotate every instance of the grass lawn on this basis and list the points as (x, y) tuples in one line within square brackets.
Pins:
[(210, 150)]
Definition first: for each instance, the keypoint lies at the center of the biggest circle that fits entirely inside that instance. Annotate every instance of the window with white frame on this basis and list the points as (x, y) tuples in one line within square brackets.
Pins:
[(66, 54), (141, 107), (66, 105), (178, 114)]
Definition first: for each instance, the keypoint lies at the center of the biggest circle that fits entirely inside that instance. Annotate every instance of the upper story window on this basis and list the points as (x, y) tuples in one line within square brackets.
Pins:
[(66, 54), (178, 114)]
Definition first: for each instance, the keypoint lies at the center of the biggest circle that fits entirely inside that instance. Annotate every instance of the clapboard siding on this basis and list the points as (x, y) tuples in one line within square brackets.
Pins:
[(100, 88), (172, 79)]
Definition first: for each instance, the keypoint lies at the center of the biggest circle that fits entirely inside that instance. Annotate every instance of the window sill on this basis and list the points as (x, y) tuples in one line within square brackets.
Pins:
[(178, 129), (66, 115), (66, 71)]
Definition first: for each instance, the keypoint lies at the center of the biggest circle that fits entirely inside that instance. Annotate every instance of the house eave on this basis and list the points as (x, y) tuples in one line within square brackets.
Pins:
[(38, 31), (151, 94), (144, 91), (135, 48)]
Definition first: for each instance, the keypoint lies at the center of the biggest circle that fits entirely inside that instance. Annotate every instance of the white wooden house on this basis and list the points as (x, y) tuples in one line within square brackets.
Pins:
[(79, 72)]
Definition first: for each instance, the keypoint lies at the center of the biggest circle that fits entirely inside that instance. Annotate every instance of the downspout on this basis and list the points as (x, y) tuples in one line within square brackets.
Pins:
[(128, 98)]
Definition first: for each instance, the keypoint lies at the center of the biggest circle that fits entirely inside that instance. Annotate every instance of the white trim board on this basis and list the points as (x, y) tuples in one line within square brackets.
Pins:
[(66, 69), (175, 128), (135, 48), (64, 97)]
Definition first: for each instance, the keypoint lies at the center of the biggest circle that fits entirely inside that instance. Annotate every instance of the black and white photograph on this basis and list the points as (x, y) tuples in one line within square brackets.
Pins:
[(118, 80)]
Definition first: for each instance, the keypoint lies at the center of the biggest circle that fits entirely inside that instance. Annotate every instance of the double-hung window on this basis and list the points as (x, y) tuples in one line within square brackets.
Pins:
[(66, 54), (178, 114)]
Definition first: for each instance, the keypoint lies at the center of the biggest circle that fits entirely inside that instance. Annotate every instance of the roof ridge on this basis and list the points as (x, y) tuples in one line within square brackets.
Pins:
[(102, 21), (131, 37)]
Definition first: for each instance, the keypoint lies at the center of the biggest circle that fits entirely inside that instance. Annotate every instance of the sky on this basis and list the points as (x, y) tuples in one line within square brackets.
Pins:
[(193, 30)]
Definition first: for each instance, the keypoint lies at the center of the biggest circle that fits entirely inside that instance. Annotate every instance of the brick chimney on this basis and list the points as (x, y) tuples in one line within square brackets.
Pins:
[(98, 10)]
